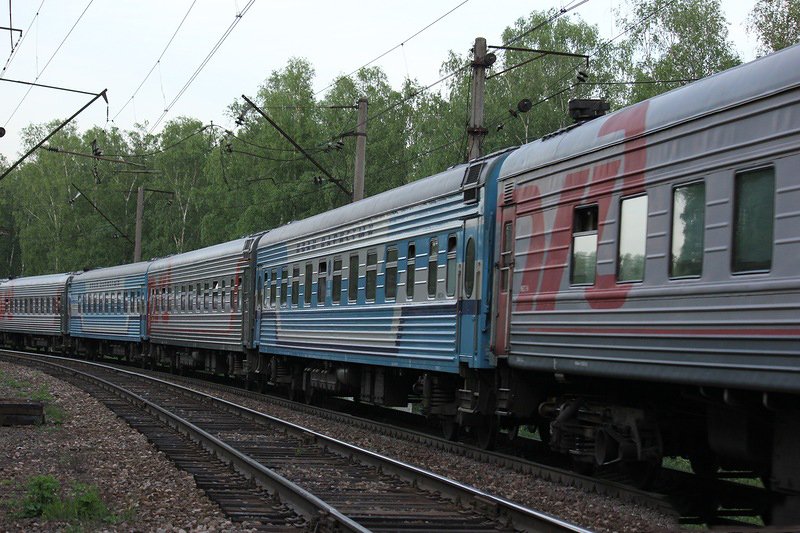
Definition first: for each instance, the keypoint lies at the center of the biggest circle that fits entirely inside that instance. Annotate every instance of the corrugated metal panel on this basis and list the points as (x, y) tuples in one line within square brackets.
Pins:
[(720, 329), (221, 329), (120, 325), (378, 207), (51, 287), (418, 336)]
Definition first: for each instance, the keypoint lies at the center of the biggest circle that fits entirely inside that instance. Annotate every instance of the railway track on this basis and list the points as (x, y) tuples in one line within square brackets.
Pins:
[(302, 479), (692, 499)]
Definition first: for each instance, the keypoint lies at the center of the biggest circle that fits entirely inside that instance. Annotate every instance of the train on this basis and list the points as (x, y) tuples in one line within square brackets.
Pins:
[(627, 286)]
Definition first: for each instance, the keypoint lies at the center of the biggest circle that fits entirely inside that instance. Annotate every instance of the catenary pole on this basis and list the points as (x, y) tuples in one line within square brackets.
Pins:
[(475, 131), (361, 150)]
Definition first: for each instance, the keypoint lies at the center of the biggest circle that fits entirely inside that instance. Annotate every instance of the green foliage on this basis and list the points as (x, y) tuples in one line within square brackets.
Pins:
[(776, 24), (676, 40), (82, 504), (42, 493)]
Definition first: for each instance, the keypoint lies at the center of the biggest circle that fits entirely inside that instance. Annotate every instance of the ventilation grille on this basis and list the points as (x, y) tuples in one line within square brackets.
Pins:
[(508, 192)]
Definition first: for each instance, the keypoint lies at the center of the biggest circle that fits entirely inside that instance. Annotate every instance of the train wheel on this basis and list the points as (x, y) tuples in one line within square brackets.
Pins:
[(309, 395), (704, 463), (450, 428), (486, 434), (642, 473)]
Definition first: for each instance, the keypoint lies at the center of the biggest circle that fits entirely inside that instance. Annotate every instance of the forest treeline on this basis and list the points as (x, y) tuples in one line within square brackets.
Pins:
[(205, 184)]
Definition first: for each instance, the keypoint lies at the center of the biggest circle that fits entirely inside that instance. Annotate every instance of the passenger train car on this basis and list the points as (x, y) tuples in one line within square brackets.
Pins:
[(629, 286), (106, 308)]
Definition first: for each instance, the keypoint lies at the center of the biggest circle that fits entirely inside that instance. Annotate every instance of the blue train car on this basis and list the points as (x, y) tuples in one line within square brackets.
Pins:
[(383, 296), (107, 310), (32, 311)]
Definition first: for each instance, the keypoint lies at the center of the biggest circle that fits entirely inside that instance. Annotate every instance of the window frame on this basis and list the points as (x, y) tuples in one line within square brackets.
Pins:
[(371, 276), (735, 221), (620, 223), (671, 261), (433, 268), (390, 266), (352, 288), (411, 271)]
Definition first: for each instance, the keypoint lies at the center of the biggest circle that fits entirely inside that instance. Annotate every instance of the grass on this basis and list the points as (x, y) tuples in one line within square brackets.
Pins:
[(81, 505), (26, 389)]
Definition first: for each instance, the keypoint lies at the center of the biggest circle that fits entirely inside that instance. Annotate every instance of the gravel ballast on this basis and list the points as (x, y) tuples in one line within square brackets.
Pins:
[(147, 493)]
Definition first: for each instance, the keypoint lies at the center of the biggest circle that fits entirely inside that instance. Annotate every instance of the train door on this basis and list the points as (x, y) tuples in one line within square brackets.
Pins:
[(505, 280)]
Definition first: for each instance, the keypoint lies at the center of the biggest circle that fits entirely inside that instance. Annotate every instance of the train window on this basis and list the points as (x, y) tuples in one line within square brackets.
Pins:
[(238, 292), (371, 275), (688, 224), (295, 285), (584, 246), (469, 268), (433, 267), (273, 288), (206, 299), (632, 239), (754, 215), (223, 301), (336, 285), (390, 274), (450, 284), (266, 295), (352, 279), (322, 273), (411, 271), (215, 296), (309, 278), (284, 286)]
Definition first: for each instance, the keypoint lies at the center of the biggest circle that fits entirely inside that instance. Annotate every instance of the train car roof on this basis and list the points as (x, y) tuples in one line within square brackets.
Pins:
[(423, 190), (202, 254), (131, 269), (759, 78), (47, 279)]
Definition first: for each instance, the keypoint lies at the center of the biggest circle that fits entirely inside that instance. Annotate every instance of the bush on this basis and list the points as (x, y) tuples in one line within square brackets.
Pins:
[(42, 493), (82, 505)]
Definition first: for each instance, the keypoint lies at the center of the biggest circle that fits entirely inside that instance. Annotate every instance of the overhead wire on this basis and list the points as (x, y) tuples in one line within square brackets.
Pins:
[(205, 61), (50, 60), (392, 49), (14, 52), (158, 61)]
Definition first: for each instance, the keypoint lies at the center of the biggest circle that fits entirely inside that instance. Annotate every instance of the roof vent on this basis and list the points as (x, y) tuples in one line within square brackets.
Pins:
[(585, 109)]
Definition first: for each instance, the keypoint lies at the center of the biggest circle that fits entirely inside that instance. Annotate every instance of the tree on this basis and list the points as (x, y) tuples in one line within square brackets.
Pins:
[(9, 243), (776, 23), (676, 40)]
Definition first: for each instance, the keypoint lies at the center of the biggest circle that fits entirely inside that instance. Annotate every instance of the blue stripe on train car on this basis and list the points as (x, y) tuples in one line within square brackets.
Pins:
[(420, 337)]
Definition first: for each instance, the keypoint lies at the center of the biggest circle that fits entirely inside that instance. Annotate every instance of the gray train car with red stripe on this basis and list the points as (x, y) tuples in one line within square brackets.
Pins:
[(33, 313), (649, 265), (200, 306)]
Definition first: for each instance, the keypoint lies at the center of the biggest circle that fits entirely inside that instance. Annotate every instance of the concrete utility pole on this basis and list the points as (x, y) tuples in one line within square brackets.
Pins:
[(475, 131), (137, 247), (361, 150)]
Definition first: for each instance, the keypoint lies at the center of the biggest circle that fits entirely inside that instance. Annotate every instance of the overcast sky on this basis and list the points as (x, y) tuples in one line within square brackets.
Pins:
[(116, 43)]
